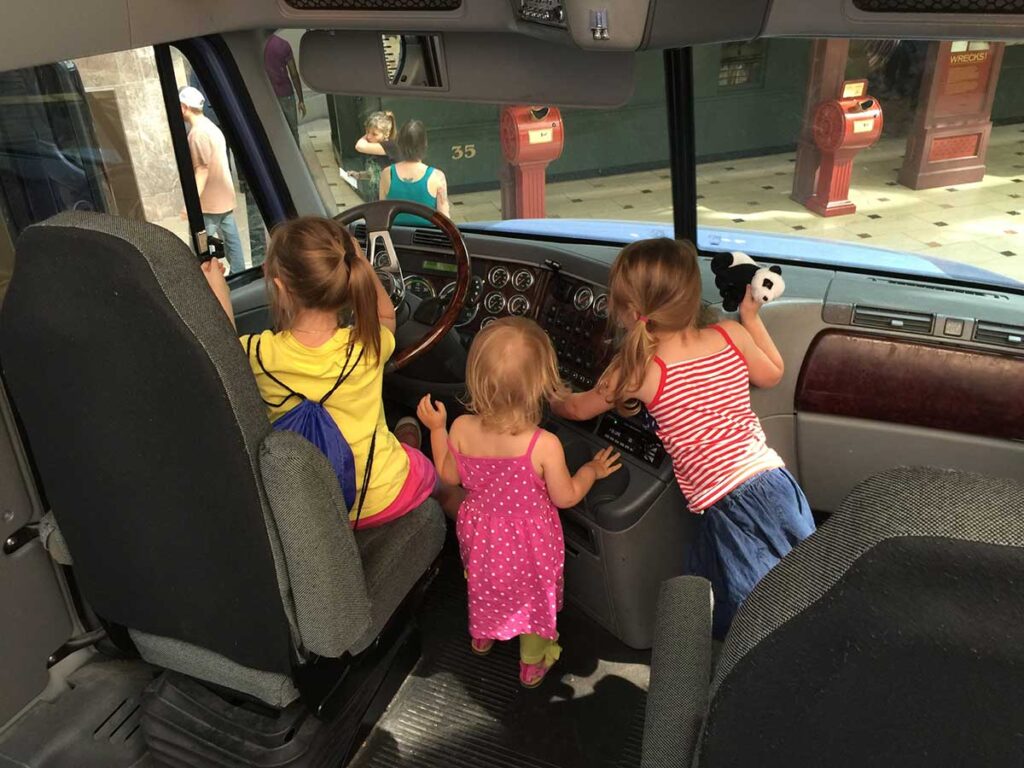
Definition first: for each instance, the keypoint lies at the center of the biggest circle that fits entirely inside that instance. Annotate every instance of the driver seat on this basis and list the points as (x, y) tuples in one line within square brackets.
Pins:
[(216, 542)]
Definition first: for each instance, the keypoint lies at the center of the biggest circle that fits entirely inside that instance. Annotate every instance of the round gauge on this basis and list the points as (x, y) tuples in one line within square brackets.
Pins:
[(420, 287), (583, 298), (518, 305), (494, 303), (522, 280), (468, 310), (486, 321), (381, 260), (498, 277), (601, 306)]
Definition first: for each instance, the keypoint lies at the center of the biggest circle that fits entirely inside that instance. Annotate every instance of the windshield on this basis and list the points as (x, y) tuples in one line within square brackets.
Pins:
[(892, 156)]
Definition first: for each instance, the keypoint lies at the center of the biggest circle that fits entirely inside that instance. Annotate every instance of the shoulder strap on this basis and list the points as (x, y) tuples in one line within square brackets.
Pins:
[(345, 371), (366, 479), (291, 392), (428, 174), (533, 442), (662, 376), (728, 340)]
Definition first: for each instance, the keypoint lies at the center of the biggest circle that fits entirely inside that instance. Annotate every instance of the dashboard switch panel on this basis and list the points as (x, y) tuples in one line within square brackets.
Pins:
[(632, 439)]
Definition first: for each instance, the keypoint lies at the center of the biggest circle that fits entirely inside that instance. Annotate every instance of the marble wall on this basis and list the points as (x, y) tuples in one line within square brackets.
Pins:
[(132, 77)]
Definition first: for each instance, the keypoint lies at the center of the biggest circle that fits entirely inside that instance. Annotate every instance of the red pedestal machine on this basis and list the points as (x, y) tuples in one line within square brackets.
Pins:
[(842, 128), (531, 137)]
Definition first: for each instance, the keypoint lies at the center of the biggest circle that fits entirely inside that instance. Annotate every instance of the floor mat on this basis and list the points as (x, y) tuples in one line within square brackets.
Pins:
[(95, 724), (458, 710)]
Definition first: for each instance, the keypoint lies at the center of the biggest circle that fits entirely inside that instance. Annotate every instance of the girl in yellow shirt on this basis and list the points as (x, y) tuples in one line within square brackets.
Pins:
[(316, 277)]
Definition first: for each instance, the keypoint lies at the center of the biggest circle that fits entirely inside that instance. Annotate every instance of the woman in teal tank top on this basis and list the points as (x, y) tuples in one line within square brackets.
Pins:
[(413, 180)]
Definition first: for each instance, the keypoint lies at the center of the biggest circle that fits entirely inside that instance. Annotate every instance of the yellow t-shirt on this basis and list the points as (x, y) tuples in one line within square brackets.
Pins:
[(357, 406)]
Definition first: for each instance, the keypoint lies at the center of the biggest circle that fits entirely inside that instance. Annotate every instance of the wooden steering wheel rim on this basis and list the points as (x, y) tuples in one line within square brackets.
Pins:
[(379, 216)]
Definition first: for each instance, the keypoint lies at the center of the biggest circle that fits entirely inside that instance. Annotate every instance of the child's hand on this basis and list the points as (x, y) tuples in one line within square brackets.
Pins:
[(750, 306), (605, 462), (213, 271), (433, 416)]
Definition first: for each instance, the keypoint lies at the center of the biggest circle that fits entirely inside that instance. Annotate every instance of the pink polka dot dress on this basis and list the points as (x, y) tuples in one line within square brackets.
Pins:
[(511, 542)]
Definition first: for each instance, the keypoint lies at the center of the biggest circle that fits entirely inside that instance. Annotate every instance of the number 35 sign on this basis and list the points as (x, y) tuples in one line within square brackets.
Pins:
[(463, 151)]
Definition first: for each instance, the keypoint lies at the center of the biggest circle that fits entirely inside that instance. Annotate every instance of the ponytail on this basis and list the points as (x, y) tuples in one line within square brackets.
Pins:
[(323, 268), (362, 300), (393, 132), (657, 282), (625, 373)]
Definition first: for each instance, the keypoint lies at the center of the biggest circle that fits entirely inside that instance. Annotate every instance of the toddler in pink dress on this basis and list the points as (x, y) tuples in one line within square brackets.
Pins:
[(515, 478)]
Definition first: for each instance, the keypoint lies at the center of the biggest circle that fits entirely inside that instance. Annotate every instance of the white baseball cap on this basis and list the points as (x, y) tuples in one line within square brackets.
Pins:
[(191, 97)]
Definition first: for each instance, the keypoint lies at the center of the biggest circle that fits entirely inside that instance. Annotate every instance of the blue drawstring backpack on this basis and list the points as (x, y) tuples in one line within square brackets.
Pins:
[(311, 420)]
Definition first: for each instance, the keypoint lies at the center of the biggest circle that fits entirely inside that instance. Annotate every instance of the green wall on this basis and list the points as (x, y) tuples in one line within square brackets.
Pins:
[(1008, 106), (748, 120), (731, 122), (599, 142)]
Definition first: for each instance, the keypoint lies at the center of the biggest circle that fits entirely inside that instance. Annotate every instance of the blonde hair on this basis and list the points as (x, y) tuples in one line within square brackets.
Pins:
[(384, 122), (322, 267), (511, 372), (655, 283)]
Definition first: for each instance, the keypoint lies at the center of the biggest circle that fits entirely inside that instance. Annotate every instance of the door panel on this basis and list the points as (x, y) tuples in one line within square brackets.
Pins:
[(837, 452), (34, 615)]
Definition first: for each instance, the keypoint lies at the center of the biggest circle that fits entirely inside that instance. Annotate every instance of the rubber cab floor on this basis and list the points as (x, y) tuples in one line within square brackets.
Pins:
[(459, 710), (92, 724)]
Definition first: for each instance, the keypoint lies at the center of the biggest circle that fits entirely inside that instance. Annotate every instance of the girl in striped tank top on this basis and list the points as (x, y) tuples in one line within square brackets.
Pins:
[(694, 380)]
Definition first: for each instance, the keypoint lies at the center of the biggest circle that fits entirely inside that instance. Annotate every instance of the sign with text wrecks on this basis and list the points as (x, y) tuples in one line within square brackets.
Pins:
[(949, 141), (967, 76)]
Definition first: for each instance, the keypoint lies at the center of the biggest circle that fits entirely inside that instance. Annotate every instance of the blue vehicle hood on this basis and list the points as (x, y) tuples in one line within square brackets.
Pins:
[(819, 252)]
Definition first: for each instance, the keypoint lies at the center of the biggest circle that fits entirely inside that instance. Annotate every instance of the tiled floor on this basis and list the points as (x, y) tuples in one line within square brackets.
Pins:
[(980, 224)]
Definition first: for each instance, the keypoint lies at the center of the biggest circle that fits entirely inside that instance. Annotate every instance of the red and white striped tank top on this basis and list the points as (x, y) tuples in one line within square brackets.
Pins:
[(702, 407)]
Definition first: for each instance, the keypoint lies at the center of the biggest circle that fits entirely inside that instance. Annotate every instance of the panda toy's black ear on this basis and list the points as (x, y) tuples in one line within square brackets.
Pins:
[(720, 262), (776, 269)]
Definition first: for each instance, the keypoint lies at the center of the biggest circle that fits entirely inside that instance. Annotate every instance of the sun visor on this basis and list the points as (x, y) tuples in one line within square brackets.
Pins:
[(471, 67)]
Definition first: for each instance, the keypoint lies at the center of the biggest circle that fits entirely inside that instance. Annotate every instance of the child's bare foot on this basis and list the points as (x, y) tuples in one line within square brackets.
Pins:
[(408, 431)]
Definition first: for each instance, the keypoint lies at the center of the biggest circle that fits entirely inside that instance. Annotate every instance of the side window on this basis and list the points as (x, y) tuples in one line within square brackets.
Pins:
[(229, 208), (92, 134), (87, 135)]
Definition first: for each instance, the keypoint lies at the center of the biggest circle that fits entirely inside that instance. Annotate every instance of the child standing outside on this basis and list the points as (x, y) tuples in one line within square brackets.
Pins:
[(335, 333), (379, 144), (515, 475), (694, 382)]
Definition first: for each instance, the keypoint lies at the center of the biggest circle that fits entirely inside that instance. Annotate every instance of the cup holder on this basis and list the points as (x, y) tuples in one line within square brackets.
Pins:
[(578, 453), (609, 488)]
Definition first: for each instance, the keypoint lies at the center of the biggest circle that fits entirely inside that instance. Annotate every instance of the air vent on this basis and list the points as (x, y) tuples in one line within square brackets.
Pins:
[(431, 237), (940, 6), (375, 5), (1003, 335), (908, 322), (359, 233), (946, 288)]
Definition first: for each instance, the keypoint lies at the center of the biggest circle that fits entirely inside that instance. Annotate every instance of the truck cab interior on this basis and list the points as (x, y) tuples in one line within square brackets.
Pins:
[(178, 588)]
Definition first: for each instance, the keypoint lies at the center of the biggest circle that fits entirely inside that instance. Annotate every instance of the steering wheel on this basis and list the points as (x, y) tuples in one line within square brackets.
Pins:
[(380, 250)]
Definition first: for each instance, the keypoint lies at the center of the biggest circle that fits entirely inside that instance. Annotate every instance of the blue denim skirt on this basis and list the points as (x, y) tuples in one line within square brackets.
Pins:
[(742, 536)]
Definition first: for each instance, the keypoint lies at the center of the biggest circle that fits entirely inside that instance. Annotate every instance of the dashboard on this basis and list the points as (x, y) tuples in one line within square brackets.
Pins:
[(573, 311)]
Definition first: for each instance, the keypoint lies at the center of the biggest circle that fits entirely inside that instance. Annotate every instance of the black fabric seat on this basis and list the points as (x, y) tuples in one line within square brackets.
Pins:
[(219, 544), (891, 637)]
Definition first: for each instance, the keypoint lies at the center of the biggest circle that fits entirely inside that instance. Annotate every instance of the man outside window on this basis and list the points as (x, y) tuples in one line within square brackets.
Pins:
[(279, 61), (213, 175)]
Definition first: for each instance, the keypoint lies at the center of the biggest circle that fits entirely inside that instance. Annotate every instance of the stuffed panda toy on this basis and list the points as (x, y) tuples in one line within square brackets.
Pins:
[(735, 271)]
